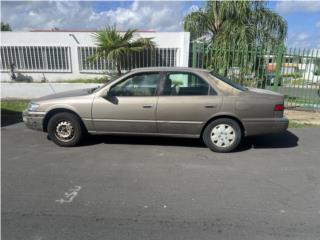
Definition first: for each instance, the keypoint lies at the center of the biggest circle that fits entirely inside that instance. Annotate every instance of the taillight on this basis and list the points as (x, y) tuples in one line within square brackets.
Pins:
[(279, 107)]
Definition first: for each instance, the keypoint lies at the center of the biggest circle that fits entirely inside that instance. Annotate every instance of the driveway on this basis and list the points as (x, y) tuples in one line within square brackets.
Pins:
[(160, 188)]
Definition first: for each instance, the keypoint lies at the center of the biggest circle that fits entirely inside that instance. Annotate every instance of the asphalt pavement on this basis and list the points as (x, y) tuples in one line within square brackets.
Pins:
[(160, 188)]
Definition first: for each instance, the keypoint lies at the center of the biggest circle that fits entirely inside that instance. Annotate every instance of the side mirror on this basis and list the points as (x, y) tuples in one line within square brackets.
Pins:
[(111, 97), (110, 94)]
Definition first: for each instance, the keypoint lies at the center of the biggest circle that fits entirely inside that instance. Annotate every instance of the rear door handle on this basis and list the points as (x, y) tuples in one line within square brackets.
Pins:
[(147, 106), (209, 106)]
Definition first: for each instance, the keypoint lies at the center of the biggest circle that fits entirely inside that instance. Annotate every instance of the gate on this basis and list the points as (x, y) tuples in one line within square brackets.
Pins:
[(291, 71)]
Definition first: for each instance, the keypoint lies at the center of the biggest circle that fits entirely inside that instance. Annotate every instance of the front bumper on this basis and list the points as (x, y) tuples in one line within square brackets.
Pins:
[(33, 120), (265, 126)]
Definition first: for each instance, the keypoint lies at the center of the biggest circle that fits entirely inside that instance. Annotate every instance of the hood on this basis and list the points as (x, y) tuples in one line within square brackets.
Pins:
[(72, 93)]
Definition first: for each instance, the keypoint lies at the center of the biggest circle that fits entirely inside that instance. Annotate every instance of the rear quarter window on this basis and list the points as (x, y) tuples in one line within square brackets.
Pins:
[(228, 81)]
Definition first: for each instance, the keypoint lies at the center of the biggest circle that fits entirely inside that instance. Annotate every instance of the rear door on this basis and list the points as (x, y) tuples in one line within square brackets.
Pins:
[(185, 103)]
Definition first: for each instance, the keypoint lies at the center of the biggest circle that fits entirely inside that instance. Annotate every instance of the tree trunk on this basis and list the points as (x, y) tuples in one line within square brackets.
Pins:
[(119, 69)]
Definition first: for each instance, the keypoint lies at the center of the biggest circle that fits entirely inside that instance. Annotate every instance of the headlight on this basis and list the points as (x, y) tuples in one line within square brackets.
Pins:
[(33, 107)]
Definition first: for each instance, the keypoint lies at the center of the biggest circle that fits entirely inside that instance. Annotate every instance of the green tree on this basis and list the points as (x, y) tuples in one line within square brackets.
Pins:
[(234, 35), (242, 23), (5, 27), (114, 46)]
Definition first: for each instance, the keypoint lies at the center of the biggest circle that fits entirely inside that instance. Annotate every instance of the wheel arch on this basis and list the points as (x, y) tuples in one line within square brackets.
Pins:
[(230, 116), (54, 111)]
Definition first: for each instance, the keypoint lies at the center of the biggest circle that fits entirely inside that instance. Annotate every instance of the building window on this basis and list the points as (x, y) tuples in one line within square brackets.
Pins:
[(158, 57), (35, 58)]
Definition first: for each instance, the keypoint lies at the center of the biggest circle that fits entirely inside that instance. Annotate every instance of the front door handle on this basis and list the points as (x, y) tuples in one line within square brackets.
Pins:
[(147, 106), (209, 106)]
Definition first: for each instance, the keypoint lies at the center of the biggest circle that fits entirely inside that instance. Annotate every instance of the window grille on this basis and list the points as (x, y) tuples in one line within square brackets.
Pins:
[(158, 57), (35, 58)]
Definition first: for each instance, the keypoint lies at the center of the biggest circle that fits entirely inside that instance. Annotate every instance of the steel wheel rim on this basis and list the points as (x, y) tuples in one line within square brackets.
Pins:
[(65, 131), (223, 135)]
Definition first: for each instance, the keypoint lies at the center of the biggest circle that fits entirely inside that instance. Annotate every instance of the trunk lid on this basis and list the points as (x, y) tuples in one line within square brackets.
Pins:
[(264, 92), (259, 103)]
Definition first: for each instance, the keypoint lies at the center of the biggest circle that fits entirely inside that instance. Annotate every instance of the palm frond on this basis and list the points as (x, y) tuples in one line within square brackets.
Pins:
[(238, 22), (196, 23), (114, 46)]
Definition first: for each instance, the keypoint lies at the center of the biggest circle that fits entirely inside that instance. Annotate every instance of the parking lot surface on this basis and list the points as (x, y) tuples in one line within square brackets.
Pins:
[(160, 188)]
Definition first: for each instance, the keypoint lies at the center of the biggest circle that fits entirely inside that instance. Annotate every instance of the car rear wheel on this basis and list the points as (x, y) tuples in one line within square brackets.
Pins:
[(222, 135), (65, 129)]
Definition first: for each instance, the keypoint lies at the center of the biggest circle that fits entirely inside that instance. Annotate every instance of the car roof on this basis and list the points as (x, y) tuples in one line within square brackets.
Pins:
[(171, 69)]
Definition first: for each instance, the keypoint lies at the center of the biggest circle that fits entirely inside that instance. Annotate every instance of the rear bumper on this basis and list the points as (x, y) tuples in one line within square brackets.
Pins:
[(33, 120), (265, 126)]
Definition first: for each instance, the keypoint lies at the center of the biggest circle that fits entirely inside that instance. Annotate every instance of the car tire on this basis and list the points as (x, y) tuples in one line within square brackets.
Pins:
[(222, 135), (65, 129)]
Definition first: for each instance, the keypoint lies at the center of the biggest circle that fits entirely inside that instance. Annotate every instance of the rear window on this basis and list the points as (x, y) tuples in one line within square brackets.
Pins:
[(228, 81)]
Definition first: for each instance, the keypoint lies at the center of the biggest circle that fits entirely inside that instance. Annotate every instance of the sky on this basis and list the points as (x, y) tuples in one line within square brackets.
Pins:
[(303, 17)]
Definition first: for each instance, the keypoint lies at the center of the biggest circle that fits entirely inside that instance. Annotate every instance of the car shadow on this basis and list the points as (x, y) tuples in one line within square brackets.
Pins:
[(286, 139), (142, 140), (9, 117), (281, 140)]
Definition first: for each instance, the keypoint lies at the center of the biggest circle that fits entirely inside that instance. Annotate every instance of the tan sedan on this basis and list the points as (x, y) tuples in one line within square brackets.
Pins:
[(177, 102)]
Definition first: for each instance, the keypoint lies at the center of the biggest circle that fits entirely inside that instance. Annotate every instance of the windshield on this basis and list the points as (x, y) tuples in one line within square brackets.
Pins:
[(228, 81), (102, 86)]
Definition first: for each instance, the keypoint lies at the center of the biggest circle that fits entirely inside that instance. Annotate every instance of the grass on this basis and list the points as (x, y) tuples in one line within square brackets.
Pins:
[(290, 101), (11, 111), (299, 81), (86, 80), (13, 105), (296, 124)]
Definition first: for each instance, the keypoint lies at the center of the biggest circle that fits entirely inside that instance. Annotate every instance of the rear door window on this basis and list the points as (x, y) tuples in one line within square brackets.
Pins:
[(185, 84)]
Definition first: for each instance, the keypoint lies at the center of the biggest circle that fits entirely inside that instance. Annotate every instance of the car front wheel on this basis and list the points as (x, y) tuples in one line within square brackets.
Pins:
[(222, 135), (65, 129)]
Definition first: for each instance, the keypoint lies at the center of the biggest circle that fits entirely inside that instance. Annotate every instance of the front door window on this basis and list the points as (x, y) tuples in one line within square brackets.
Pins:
[(137, 85)]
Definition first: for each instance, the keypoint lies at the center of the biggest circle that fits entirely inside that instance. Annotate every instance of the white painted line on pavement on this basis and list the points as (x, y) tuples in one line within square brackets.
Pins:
[(69, 195)]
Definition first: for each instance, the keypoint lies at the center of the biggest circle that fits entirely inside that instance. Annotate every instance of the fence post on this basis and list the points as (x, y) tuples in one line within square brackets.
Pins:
[(279, 60), (194, 54)]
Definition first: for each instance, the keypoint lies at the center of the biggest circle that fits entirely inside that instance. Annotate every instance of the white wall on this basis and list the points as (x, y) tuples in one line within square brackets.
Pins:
[(179, 40), (35, 90), (309, 74)]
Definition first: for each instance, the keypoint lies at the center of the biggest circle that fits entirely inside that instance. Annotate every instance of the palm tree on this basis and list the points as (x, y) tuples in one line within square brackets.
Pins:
[(114, 46), (242, 23), (237, 32)]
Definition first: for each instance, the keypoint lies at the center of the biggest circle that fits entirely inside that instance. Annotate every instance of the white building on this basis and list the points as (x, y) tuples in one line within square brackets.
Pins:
[(305, 62), (62, 55)]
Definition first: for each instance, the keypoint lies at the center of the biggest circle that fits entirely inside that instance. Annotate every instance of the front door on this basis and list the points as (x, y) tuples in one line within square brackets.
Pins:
[(130, 106), (185, 103)]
